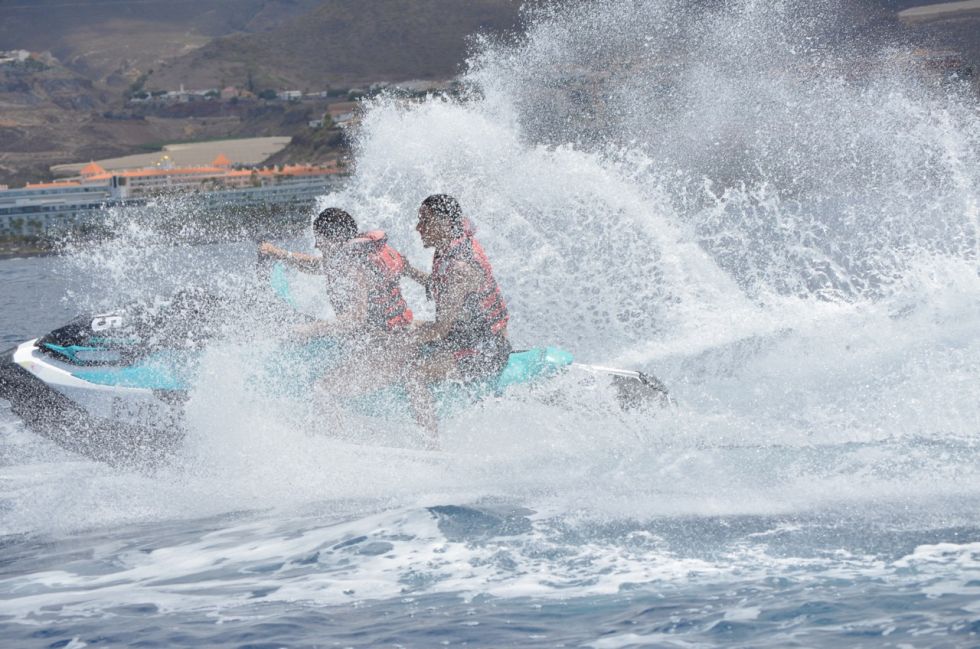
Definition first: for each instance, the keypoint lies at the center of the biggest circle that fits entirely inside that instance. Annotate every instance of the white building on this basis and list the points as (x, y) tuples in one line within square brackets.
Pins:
[(43, 208)]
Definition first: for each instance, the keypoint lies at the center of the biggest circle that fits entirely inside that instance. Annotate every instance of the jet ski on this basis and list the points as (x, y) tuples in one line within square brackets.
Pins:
[(112, 386)]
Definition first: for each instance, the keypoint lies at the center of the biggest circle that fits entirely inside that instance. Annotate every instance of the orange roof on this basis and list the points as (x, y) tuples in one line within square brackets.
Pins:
[(297, 170), (210, 171), (91, 169), (221, 161), (136, 173)]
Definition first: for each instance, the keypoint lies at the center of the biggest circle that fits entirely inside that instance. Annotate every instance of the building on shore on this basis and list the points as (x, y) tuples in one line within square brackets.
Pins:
[(41, 209)]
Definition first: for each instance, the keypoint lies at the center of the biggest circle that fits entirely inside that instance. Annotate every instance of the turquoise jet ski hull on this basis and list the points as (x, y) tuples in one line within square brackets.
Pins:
[(298, 368)]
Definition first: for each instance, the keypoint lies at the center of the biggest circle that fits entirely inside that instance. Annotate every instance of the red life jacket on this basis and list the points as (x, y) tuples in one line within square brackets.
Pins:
[(485, 311), (387, 308)]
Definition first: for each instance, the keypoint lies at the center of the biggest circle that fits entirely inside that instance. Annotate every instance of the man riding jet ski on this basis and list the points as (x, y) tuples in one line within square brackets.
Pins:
[(112, 386), (467, 342), (362, 273)]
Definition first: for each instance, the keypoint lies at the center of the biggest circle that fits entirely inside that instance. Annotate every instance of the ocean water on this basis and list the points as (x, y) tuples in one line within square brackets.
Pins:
[(776, 216)]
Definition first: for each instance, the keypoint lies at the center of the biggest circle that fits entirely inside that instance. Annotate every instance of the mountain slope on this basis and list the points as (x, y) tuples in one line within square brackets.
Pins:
[(106, 38), (346, 42)]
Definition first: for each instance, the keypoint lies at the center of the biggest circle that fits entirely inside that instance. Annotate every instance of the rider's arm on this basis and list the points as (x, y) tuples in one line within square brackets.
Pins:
[(414, 273), (298, 260), (461, 280), (314, 329)]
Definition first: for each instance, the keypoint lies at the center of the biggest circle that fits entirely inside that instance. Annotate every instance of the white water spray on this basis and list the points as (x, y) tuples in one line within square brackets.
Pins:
[(779, 223)]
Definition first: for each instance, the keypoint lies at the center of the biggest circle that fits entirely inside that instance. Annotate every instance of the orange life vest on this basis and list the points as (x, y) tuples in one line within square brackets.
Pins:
[(387, 308), (485, 311)]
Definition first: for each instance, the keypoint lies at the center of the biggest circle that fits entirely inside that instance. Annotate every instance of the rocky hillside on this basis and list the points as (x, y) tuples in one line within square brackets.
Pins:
[(70, 106), (115, 41), (346, 43), (39, 98), (50, 114)]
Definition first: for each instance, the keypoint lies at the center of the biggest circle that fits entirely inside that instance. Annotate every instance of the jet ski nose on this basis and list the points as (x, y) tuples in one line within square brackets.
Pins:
[(6, 360), (14, 379)]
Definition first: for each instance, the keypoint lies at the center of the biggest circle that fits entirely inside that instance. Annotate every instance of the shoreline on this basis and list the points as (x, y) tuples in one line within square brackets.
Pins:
[(941, 11), (14, 249), (24, 249)]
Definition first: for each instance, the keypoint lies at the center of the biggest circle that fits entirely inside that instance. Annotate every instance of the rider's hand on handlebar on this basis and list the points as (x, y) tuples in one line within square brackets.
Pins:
[(267, 249)]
